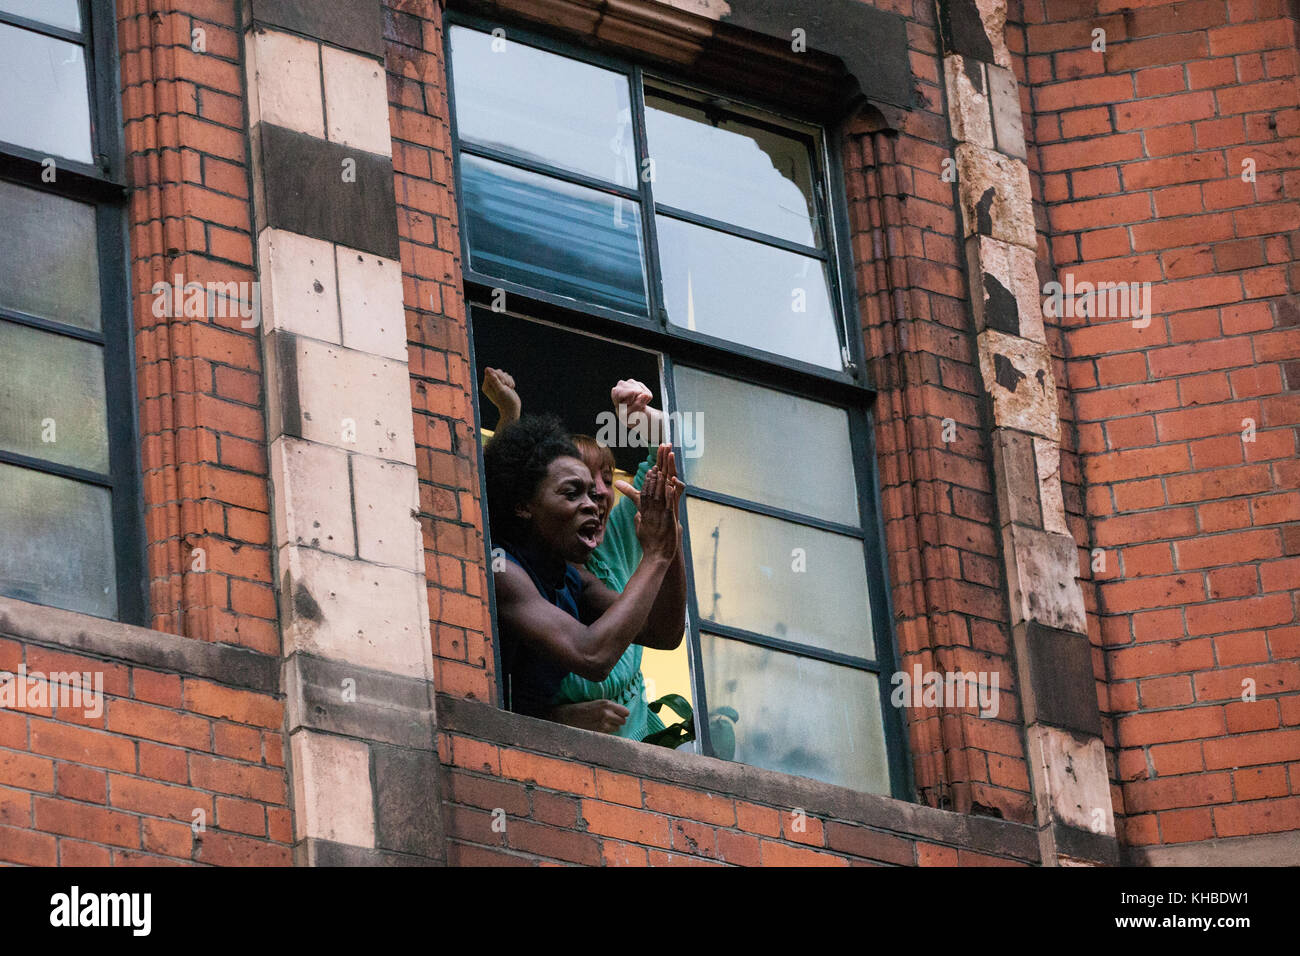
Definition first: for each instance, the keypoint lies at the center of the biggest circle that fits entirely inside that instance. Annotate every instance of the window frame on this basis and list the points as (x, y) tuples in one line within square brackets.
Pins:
[(850, 389), (103, 186)]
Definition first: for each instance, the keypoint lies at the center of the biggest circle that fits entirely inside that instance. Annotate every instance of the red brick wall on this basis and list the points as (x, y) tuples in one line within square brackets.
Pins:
[(121, 788), (438, 344), (1139, 161), (511, 806), (202, 435)]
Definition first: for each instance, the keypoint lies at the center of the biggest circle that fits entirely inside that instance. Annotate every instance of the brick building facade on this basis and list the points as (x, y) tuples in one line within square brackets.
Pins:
[(1099, 505)]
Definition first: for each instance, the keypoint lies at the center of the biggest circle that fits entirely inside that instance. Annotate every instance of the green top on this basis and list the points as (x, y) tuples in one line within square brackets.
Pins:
[(613, 563)]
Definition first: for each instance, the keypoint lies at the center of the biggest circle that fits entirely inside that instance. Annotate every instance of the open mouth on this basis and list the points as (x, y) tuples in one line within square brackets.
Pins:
[(589, 533)]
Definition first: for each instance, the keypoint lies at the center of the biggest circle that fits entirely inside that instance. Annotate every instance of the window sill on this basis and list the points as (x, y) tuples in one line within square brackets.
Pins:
[(984, 835), (92, 636)]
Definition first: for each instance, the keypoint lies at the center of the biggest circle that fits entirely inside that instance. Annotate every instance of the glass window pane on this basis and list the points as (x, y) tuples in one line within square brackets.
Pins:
[(553, 236), (56, 542), (722, 168), (58, 13), (49, 266), (748, 293), (779, 579), (543, 106), (52, 398), (746, 437), (46, 105), (834, 734)]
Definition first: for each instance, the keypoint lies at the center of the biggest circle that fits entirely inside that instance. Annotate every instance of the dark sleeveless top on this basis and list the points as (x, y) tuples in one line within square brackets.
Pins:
[(533, 679)]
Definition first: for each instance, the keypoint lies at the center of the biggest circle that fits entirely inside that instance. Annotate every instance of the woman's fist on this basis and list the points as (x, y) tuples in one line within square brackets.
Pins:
[(499, 388)]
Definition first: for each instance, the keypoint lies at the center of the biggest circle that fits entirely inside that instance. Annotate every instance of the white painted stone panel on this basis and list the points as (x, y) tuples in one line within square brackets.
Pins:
[(284, 82), (299, 285), (354, 611), (331, 789), (313, 496), (387, 500), (355, 401), (356, 101), (371, 303)]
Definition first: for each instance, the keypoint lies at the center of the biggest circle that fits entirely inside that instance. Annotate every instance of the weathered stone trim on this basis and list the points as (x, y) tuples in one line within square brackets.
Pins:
[(301, 189), (351, 24), (979, 833), (354, 614), (96, 637), (1265, 849), (1053, 654), (314, 852), (379, 705)]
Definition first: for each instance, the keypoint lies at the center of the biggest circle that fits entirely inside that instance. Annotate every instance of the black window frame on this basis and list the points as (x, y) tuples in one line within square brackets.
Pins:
[(101, 184), (849, 389)]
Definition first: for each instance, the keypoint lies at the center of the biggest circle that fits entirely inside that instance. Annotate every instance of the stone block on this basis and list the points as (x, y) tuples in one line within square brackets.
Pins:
[(1006, 294), (1018, 375), (1042, 578), (408, 805), (351, 400), (1017, 478), (371, 303), (969, 115), (386, 497), (1057, 686), (995, 197), (299, 288), (1008, 121), (353, 611), (313, 496), (1048, 456), (284, 85), (331, 789), (325, 190), (356, 101), (1070, 775), (341, 698), (352, 24), (975, 28)]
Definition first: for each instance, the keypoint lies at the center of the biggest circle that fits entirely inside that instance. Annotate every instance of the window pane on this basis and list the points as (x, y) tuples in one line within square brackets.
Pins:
[(46, 105), (780, 579), (747, 293), (52, 401), (553, 236), (58, 13), (796, 715), (543, 106), (50, 264), (728, 170), (56, 542), (746, 438)]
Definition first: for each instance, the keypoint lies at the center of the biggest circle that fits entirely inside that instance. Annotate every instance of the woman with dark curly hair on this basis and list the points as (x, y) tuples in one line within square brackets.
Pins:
[(555, 616)]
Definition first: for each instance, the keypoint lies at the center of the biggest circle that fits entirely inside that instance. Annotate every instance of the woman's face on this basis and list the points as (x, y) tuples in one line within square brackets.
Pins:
[(603, 477), (564, 511)]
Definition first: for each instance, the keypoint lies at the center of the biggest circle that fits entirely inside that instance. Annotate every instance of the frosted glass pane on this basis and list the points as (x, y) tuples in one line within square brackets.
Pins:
[(732, 171), (797, 715), (56, 542), (553, 236), (748, 293), (543, 106), (746, 438), (52, 398), (49, 266), (46, 104), (780, 579), (57, 13)]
